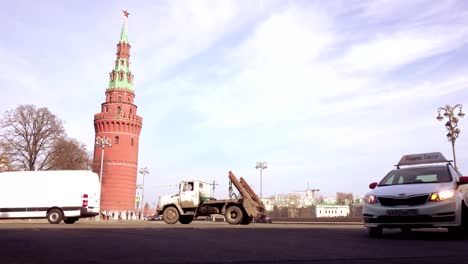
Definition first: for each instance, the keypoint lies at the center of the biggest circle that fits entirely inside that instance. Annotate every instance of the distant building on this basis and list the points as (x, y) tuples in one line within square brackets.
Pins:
[(303, 205)]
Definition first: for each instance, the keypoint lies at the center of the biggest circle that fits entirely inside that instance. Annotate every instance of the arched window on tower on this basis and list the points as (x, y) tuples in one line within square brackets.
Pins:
[(107, 109), (111, 76), (131, 142), (116, 140), (119, 99), (121, 75), (119, 110), (110, 98)]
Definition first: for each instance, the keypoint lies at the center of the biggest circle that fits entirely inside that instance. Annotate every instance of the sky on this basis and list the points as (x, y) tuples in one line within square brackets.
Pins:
[(330, 94)]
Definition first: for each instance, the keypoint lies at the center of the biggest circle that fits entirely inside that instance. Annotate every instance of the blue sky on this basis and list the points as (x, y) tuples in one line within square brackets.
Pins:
[(330, 93)]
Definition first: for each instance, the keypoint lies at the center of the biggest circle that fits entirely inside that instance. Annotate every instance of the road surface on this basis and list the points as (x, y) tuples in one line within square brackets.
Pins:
[(208, 242)]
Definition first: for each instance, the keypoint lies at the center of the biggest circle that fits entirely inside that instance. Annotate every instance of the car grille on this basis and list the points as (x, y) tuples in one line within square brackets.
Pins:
[(413, 200)]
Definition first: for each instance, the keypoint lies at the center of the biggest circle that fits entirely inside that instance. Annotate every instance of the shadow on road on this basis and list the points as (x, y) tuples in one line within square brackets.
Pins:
[(431, 235)]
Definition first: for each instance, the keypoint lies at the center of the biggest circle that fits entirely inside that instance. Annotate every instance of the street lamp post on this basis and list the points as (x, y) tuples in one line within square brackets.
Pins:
[(101, 142), (452, 124), (261, 165), (143, 172)]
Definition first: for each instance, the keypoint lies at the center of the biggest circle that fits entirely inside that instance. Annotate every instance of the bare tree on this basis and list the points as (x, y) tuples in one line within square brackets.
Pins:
[(4, 160), (320, 199), (30, 133), (69, 154), (344, 198)]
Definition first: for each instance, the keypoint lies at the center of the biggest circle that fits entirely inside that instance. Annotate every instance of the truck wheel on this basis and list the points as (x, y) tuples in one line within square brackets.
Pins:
[(54, 216), (246, 220), (171, 215), (234, 215), (185, 219), (374, 232), (70, 220)]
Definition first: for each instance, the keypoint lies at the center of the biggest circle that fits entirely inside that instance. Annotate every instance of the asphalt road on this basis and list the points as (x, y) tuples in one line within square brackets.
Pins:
[(156, 242)]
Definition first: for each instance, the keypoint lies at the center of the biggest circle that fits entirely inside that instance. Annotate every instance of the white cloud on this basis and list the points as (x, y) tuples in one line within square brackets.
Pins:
[(388, 51)]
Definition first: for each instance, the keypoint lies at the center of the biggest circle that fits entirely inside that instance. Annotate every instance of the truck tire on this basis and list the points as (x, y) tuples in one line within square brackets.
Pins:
[(171, 215), (185, 219), (246, 220), (70, 220), (234, 215), (55, 216)]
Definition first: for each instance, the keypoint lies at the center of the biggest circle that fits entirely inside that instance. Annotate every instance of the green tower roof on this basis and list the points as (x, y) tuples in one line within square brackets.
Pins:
[(122, 77)]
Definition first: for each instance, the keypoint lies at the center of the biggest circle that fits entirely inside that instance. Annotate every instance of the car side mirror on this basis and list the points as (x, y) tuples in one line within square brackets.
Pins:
[(372, 185), (463, 180)]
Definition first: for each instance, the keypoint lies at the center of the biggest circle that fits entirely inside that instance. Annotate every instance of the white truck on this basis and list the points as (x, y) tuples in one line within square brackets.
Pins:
[(193, 200), (54, 195)]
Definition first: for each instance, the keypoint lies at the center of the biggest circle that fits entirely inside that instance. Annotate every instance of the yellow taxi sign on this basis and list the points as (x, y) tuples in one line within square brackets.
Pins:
[(423, 158)]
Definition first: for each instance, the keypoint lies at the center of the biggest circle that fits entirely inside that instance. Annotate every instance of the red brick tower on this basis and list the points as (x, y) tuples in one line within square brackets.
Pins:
[(119, 123)]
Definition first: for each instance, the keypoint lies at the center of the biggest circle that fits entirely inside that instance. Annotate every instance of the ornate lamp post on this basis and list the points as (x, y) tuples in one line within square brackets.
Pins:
[(452, 124), (261, 165), (101, 142), (143, 172)]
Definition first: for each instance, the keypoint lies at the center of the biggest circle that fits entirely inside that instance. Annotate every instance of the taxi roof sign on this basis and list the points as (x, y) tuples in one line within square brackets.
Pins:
[(423, 158)]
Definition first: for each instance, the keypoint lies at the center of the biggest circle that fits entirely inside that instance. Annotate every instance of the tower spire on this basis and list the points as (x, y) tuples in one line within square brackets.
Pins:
[(121, 77), (124, 34)]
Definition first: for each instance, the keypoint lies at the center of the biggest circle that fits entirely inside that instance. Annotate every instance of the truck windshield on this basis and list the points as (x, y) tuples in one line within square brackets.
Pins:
[(417, 176)]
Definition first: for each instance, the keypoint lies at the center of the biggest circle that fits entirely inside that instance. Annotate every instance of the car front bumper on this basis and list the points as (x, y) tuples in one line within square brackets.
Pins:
[(431, 214)]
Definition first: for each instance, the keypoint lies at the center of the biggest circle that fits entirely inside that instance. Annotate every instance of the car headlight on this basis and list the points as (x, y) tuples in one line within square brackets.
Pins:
[(370, 199), (441, 196)]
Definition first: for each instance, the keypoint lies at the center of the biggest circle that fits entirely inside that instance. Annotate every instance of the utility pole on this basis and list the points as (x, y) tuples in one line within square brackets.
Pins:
[(213, 185)]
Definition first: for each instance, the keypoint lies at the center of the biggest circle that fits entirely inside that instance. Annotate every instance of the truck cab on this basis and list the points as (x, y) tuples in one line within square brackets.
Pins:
[(191, 193)]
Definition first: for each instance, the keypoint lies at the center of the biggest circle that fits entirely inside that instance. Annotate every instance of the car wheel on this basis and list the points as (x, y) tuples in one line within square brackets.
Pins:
[(462, 230), (234, 215), (55, 216), (374, 232), (171, 215), (405, 230)]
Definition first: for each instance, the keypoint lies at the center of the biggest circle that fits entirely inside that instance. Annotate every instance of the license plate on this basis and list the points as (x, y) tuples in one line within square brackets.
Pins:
[(402, 212)]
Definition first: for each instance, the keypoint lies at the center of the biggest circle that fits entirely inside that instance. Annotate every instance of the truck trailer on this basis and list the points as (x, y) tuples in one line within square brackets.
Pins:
[(193, 200), (54, 195)]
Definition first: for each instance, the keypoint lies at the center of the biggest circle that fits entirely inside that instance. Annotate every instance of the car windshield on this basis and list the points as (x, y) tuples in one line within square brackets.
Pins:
[(417, 175)]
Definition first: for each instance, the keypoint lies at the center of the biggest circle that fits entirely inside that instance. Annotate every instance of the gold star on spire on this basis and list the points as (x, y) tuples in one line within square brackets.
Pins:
[(125, 13)]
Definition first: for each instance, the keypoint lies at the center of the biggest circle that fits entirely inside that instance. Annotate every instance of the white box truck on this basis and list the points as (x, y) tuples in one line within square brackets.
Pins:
[(54, 195)]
